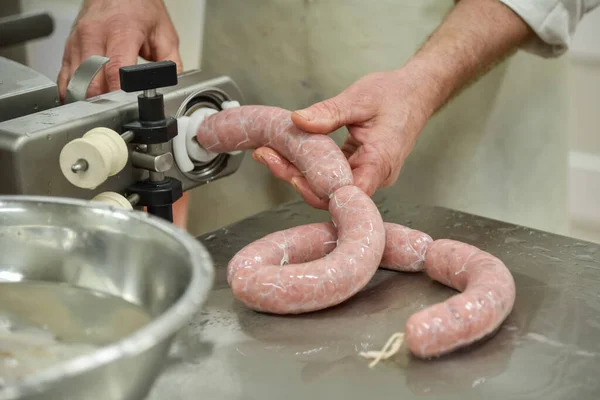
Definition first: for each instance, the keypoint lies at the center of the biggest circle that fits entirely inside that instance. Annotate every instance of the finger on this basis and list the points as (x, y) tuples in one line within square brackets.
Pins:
[(300, 184), (167, 47), (122, 48), (329, 115), (368, 169), (350, 146), (286, 171), (63, 81), (70, 57), (278, 165), (171, 56), (366, 177)]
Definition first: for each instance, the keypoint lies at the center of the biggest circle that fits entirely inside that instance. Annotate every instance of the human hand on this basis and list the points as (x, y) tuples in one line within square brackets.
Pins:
[(119, 30), (384, 113)]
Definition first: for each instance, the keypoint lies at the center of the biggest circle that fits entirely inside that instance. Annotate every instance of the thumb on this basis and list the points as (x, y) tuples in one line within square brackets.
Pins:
[(329, 115)]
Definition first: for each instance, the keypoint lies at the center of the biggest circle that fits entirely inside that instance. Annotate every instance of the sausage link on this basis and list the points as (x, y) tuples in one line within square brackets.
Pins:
[(281, 288), (317, 157), (404, 248), (488, 296)]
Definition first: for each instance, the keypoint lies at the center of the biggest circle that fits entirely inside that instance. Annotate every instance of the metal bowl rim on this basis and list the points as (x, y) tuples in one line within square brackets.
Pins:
[(155, 332)]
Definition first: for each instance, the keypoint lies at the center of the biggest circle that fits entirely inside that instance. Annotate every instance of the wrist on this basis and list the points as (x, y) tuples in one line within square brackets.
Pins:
[(430, 89)]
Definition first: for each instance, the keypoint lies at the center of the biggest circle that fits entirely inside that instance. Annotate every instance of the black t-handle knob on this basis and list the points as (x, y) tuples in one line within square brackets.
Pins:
[(152, 126), (150, 76)]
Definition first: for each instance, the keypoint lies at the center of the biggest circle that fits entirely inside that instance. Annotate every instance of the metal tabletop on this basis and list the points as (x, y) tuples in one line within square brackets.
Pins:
[(548, 348)]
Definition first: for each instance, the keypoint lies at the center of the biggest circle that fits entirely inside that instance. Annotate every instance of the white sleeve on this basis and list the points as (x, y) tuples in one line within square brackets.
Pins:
[(554, 22)]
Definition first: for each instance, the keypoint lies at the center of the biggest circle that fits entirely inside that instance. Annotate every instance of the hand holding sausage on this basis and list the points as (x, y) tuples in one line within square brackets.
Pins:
[(384, 113), (316, 266), (119, 30)]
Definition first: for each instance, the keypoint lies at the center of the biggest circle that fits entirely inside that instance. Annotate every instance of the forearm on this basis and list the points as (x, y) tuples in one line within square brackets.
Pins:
[(475, 35)]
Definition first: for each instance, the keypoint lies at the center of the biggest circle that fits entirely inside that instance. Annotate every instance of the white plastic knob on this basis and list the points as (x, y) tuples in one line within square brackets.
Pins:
[(104, 152), (113, 199)]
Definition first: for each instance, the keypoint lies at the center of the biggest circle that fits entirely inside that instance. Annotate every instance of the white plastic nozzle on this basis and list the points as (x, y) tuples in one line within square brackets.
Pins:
[(186, 148)]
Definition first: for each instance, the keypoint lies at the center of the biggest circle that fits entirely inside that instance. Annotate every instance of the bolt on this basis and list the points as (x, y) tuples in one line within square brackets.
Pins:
[(150, 93), (134, 199), (80, 165)]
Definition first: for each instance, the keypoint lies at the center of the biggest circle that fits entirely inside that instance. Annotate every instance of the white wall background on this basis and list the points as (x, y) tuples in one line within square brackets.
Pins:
[(188, 16), (584, 185)]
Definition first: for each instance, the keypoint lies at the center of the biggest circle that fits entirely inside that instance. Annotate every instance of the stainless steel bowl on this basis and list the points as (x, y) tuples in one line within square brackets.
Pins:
[(130, 255)]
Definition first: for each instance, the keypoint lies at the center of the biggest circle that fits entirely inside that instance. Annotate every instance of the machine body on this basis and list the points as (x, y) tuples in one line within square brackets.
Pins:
[(33, 144)]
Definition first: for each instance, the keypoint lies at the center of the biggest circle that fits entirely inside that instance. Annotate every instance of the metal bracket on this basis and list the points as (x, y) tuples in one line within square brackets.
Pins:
[(83, 77)]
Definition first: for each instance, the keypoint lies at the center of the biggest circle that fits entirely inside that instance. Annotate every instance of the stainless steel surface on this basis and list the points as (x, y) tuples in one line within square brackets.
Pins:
[(161, 163), (21, 28), (41, 137), (83, 77), (156, 150), (549, 347), (127, 254), (24, 91)]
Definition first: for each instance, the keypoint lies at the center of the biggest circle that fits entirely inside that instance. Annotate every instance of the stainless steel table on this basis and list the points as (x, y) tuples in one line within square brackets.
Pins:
[(548, 348)]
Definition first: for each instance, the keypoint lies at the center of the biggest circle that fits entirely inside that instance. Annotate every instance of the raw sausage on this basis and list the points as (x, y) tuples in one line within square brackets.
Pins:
[(317, 156), (316, 266), (404, 248), (301, 246), (488, 295), (259, 277)]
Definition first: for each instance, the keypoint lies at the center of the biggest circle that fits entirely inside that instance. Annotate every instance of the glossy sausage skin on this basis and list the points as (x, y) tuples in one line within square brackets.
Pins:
[(317, 156), (283, 260), (487, 298), (317, 266), (289, 273), (404, 248)]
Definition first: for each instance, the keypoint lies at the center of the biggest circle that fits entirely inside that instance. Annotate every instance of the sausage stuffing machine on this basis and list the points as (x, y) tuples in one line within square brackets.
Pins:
[(132, 148)]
